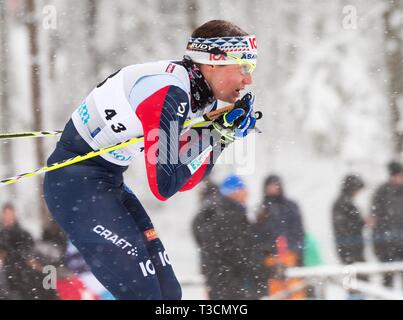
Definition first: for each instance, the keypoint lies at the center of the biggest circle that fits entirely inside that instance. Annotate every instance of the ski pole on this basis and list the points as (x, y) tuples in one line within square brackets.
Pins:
[(197, 122), (33, 134), (38, 134), (70, 161), (79, 158)]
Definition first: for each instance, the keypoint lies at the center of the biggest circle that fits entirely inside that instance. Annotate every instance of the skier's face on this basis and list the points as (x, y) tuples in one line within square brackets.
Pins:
[(273, 189), (8, 218), (240, 196), (227, 81), (397, 179)]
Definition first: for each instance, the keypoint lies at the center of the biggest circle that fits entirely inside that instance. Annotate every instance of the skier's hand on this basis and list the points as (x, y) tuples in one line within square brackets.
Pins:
[(238, 122)]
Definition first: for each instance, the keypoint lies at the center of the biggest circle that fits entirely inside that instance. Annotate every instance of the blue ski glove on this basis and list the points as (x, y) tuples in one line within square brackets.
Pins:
[(235, 124)]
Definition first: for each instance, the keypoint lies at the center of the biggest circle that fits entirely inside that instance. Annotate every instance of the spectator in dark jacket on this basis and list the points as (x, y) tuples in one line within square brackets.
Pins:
[(203, 231), (348, 223), (20, 261), (279, 216), (387, 210), (53, 244), (5, 293), (227, 243), (279, 224)]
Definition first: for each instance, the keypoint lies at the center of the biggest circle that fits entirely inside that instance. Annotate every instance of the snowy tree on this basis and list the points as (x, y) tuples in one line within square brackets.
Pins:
[(393, 19), (5, 107)]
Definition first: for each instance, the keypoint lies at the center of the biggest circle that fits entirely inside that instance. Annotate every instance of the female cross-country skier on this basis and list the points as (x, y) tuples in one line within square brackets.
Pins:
[(89, 200)]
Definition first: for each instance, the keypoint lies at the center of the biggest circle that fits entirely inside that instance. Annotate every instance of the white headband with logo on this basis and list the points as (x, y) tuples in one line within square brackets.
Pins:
[(222, 50)]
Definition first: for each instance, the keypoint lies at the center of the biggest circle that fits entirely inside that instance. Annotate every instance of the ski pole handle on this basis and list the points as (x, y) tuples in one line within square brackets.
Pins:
[(212, 115)]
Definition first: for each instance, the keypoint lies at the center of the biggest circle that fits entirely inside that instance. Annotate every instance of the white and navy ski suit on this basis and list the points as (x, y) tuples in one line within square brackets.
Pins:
[(89, 200)]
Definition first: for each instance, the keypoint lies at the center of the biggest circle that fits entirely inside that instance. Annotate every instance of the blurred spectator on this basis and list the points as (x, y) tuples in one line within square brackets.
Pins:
[(311, 254), (387, 210), (348, 223), (228, 244), (4, 291), (21, 263), (312, 258), (71, 287), (280, 231), (76, 281), (53, 244), (203, 231)]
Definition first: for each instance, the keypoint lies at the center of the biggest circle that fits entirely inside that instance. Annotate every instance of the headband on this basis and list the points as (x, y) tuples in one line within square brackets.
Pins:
[(222, 50)]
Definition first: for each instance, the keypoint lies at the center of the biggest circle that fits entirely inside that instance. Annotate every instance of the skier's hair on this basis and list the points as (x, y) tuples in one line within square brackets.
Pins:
[(218, 28), (351, 184), (7, 205), (394, 168)]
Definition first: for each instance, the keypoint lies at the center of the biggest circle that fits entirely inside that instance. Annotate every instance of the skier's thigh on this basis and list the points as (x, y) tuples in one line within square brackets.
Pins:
[(170, 287), (102, 229)]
